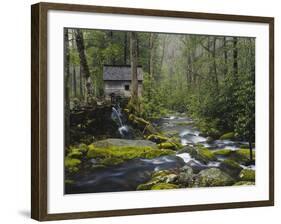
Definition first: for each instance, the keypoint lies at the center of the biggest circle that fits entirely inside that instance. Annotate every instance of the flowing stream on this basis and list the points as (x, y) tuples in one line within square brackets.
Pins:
[(128, 175)]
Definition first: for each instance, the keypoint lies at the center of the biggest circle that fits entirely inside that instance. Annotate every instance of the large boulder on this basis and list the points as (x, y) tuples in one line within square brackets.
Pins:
[(213, 177), (185, 177), (162, 179), (247, 175), (231, 167), (123, 142), (202, 154)]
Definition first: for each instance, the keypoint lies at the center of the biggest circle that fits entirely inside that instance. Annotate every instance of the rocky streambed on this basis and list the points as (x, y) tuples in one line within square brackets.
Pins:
[(114, 165)]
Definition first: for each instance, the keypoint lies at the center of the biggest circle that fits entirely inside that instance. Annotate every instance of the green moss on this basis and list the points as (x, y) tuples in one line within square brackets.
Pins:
[(91, 147), (157, 138), (171, 144), (164, 186), (161, 173), (146, 186), (202, 154), (242, 156), (231, 167), (206, 155), (222, 152), (247, 175), (75, 153), (239, 183), (213, 177), (113, 155), (229, 135), (72, 164), (112, 161), (83, 147)]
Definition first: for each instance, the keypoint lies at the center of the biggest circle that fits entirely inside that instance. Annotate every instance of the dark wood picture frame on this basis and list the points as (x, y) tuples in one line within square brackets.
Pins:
[(39, 106)]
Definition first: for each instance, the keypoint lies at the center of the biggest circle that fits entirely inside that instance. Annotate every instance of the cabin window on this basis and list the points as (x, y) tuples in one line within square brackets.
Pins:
[(127, 87)]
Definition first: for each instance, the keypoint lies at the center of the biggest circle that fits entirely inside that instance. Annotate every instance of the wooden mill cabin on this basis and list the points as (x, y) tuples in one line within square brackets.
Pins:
[(117, 80)]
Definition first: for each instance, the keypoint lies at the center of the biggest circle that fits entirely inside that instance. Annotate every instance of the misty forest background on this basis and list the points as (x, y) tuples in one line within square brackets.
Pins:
[(211, 78)]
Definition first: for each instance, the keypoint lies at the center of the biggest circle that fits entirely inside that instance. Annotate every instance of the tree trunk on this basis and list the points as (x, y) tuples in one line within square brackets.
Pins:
[(134, 83), (163, 53), (235, 57), (225, 57), (81, 83), (74, 80), (125, 48), (112, 58), (151, 58), (66, 90), (214, 63), (84, 65)]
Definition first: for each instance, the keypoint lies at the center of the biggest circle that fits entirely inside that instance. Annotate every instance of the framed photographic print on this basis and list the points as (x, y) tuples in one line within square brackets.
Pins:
[(139, 111)]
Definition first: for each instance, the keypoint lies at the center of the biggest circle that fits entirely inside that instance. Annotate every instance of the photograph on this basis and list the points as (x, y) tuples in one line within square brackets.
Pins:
[(157, 111)]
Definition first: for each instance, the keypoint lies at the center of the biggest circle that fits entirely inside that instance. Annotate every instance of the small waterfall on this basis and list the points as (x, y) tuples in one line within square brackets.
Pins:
[(116, 116)]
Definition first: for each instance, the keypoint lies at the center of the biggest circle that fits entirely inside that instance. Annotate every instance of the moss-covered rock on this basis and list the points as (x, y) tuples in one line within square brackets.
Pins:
[(213, 177), (113, 155), (185, 177), (239, 183), (228, 136), (72, 164), (247, 175), (231, 167), (122, 142), (83, 148), (157, 138), (242, 156), (164, 186), (222, 152), (159, 177), (160, 174), (75, 153), (145, 186), (202, 154), (168, 145)]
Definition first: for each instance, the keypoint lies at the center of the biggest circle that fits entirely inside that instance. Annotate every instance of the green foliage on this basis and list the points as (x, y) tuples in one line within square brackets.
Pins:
[(195, 74), (151, 103)]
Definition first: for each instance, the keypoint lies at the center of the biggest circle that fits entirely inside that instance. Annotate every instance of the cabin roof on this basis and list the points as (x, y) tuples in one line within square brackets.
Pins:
[(120, 73)]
